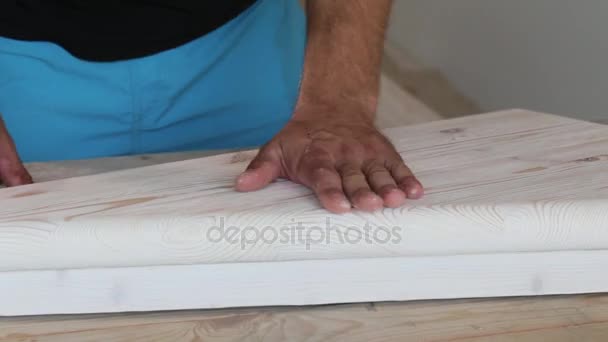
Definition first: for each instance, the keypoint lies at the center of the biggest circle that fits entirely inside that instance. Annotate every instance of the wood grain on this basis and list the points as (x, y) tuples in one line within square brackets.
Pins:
[(508, 183), (531, 183), (556, 319)]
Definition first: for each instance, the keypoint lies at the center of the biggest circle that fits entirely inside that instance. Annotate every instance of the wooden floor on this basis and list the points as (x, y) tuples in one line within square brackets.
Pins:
[(554, 319)]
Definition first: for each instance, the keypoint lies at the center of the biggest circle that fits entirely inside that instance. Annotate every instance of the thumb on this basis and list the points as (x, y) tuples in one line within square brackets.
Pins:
[(263, 170), (12, 171)]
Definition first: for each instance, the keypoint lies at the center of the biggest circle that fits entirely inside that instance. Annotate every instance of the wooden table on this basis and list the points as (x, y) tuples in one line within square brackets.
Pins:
[(558, 318), (555, 319)]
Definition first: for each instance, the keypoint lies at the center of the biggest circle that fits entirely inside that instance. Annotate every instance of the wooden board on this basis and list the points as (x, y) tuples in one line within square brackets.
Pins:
[(503, 186), (308, 282)]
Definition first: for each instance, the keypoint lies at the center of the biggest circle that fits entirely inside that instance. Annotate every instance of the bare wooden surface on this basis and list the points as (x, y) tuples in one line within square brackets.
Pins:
[(555, 319)]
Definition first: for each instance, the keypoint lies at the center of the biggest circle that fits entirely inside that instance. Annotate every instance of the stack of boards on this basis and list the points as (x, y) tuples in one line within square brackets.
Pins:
[(516, 204)]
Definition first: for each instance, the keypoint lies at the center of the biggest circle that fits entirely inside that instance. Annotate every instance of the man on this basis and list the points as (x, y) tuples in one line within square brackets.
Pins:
[(82, 79)]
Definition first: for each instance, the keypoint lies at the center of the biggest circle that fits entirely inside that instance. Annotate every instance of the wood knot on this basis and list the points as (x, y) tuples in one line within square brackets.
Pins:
[(588, 160), (29, 193), (534, 169), (452, 130)]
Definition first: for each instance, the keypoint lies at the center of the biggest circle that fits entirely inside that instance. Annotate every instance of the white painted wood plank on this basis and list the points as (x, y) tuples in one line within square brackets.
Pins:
[(62, 169), (300, 282), (299, 231), (523, 188)]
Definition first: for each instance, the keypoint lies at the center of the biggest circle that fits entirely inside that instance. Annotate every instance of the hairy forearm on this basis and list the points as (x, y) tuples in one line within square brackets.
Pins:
[(343, 56)]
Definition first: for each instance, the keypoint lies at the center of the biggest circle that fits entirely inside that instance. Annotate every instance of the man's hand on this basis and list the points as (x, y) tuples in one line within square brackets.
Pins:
[(12, 172), (344, 162), (331, 144)]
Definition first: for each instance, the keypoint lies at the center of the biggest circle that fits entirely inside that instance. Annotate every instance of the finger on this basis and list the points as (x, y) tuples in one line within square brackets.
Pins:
[(406, 180), (383, 184), (324, 180), (357, 189), (264, 169), (11, 175), (12, 171)]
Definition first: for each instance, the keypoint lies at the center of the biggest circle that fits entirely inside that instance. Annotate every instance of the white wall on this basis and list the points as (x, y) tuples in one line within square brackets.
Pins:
[(548, 55)]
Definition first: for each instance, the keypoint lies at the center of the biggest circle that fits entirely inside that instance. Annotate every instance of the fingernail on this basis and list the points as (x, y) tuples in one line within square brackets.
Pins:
[(412, 192), (242, 180), (243, 176), (415, 192), (344, 204)]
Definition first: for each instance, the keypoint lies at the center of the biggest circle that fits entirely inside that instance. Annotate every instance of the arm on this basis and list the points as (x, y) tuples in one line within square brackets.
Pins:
[(331, 144), (343, 56)]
